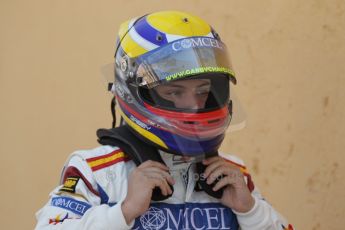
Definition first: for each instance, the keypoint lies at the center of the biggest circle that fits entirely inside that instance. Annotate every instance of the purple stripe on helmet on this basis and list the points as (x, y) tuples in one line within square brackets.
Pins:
[(145, 30)]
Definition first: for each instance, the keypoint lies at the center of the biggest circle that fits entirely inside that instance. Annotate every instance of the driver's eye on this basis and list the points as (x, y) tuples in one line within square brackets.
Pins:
[(174, 93)]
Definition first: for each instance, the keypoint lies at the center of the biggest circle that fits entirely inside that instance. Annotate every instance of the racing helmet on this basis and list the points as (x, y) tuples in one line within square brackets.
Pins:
[(183, 53)]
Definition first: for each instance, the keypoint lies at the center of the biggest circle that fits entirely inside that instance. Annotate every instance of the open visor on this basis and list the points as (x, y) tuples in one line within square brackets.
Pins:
[(183, 58)]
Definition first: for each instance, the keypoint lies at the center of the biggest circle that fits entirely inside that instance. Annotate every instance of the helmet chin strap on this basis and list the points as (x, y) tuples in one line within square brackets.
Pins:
[(113, 113), (112, 108)]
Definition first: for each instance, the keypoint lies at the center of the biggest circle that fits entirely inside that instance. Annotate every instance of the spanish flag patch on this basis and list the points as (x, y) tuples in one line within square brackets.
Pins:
[(97, 163)]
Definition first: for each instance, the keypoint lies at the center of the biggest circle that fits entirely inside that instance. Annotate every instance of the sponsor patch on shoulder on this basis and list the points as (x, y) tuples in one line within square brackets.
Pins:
[(73, 205), (70, 184)]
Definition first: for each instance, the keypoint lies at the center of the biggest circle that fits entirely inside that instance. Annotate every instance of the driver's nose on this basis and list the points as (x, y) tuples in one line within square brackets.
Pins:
[(191, 101)]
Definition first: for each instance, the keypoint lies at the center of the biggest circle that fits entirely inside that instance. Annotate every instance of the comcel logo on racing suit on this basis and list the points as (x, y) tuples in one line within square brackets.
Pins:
[(201, 216)]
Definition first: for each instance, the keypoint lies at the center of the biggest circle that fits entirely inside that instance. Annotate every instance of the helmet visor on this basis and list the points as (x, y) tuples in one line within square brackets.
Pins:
[(181, 59)]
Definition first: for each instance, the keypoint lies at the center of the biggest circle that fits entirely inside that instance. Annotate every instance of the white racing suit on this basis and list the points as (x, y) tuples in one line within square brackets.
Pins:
[(94, 184)]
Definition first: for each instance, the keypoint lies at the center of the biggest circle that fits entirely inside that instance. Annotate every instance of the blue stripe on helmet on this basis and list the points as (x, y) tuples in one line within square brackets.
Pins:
[(145, 30)]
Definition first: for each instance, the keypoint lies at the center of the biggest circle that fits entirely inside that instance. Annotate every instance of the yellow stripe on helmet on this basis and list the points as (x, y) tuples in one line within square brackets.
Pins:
[(163, 21), (131, 48), (150, 136)]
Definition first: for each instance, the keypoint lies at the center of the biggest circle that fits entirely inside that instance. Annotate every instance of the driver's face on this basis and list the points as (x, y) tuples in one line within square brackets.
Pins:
[(186, 94)]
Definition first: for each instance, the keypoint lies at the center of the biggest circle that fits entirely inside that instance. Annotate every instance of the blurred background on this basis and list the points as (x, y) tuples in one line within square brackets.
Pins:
[(289, 57)]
